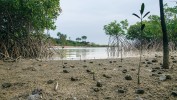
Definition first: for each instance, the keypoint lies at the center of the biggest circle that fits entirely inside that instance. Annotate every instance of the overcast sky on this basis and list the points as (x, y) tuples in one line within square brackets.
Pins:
[(87, 17)]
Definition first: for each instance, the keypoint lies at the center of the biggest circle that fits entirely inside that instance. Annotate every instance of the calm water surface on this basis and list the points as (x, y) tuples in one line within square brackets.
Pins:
[(77, 53)]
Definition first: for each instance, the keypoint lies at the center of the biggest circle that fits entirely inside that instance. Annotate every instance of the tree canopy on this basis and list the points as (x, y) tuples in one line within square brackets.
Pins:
[(152, 33), (153, 27), (20, 20), (84, 38), (114, 28)]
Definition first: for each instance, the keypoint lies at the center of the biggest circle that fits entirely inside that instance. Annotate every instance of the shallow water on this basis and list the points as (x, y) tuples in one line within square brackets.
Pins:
[(81, 53)]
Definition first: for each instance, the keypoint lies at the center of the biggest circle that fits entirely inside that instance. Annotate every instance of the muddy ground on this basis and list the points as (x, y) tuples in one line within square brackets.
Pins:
[(114, 80)]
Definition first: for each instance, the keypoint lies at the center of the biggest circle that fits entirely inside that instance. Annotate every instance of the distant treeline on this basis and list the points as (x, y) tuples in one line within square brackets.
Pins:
[(79, 41)]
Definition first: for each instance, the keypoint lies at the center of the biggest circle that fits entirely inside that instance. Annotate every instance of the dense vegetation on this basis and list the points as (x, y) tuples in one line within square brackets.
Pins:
[(159, 33), (22, 24), (152, 34)]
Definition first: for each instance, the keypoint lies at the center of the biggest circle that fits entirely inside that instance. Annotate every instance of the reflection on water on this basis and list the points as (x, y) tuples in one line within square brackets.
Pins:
[(77, 53)]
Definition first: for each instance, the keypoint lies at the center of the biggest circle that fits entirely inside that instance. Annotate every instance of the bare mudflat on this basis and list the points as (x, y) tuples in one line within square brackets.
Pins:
[(108, 79)]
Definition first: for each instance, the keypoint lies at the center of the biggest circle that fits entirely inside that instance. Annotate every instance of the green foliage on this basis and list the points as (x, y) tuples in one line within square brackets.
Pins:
[(151, 27), (146, 14), (84, 38), (124, 25), (22, 21), (36, 14), (62, 39), (151, 32), (142, 9), (141, 13), (137, 31), (115, 29), (171, 20), (78, 39)]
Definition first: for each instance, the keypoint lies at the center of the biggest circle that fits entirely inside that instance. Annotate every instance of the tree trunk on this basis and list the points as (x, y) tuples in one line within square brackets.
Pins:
[(165, 37)]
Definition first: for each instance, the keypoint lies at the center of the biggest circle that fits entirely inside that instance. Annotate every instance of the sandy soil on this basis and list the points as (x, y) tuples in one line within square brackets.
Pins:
[(26, 76)]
